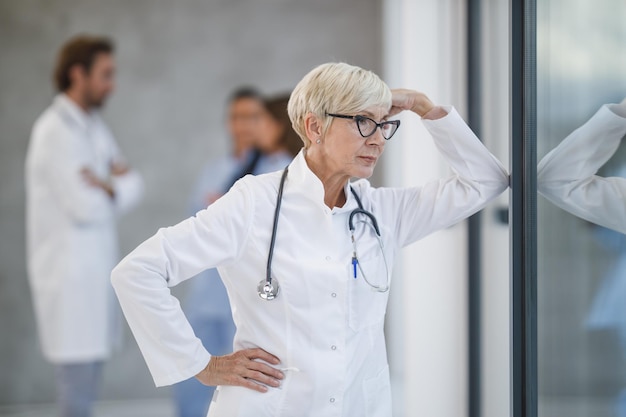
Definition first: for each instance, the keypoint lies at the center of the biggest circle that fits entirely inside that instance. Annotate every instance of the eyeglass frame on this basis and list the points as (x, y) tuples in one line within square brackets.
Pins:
[(380, 125)]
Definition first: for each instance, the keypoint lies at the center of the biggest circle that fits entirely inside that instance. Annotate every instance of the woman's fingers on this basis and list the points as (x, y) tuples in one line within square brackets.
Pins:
[(247, 383), (243, 369), (403, 99), (265, 369), (394, 110), (258, 353), (261, 372), (261, 377)]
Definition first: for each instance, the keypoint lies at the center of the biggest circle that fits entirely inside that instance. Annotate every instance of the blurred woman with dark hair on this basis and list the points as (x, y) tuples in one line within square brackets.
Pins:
[(263, 141)]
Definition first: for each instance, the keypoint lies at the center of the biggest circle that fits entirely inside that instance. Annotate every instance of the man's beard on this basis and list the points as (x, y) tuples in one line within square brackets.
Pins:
[(94, 102)]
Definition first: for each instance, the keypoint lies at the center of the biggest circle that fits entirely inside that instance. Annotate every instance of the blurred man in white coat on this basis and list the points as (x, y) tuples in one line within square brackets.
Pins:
[(77, 184)]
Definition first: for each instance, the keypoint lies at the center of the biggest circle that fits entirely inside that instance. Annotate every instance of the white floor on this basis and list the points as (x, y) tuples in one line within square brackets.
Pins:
[(562, 407), (139, 408), (152, 408)]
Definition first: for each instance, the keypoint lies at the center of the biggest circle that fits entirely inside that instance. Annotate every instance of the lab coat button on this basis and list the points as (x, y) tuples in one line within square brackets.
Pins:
[(334, 295), (332, 400), (333, 347)]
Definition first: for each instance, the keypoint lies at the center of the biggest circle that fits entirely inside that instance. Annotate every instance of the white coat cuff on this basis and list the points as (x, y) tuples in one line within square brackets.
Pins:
[(169, 379)]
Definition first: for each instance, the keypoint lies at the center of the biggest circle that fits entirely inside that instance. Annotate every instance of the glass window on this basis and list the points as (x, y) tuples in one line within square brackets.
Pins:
[(581, 280)]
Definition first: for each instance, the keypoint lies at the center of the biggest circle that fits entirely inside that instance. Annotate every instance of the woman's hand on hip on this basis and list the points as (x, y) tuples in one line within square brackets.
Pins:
[(241, 369), (403, 99)]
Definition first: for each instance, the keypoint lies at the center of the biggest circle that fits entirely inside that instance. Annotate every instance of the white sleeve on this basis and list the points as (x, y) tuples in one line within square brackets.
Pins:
[(478, 178), (129, 190), (61, 161), (566, 175), (213, 237)]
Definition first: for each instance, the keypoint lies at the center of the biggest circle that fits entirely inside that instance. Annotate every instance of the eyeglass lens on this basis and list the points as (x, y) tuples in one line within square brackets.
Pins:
[(367, 127)]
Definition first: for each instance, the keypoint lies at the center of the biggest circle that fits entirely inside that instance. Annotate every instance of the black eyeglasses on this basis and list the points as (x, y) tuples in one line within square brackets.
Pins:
[(368, 126)]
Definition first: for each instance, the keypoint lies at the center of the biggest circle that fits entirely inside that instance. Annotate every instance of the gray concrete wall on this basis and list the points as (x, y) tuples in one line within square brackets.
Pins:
[(177, 62)]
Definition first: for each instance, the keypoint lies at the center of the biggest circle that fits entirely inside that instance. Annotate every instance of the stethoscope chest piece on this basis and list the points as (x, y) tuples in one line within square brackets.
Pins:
[(268, 290)]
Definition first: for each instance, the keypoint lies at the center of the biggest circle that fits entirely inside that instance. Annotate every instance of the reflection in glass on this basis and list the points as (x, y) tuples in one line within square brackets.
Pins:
[(567, 176), (581, 66)]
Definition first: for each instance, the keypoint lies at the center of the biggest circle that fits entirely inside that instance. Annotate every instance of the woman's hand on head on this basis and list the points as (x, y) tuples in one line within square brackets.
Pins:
[(415, 101), (241, 369)]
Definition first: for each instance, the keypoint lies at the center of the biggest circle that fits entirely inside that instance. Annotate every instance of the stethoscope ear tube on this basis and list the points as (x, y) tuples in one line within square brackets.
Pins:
[(267, 289), (361, 210), (365, 213), (355, 257)]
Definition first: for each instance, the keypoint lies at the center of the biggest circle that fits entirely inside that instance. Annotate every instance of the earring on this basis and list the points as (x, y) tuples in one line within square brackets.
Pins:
[(318, 141)]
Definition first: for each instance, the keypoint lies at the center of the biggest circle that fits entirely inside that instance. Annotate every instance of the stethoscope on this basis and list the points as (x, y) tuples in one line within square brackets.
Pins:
[(269, 288)]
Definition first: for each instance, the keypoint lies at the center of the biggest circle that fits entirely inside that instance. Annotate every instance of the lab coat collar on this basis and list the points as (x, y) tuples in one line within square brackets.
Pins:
[(306, 182), (72, 111)]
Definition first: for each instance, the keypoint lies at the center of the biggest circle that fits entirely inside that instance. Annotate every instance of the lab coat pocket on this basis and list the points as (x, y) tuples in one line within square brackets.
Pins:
[(235, 401), (367, 305), (377, 393)]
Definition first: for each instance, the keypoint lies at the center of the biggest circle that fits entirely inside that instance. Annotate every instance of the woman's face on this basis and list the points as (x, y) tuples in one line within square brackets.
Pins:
[(345, 151), (269, 134)]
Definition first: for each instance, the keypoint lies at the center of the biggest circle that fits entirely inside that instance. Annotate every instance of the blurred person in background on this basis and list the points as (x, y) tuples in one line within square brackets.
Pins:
[(77, 185), (245, 111), (262, 141), (278, 143)]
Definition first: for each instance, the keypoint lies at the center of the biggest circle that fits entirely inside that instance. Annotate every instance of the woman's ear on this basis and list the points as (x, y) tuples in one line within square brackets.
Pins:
[(313, 127)]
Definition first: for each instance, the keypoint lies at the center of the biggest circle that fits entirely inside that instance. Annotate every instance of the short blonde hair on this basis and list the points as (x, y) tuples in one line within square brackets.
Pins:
[(335, 88)]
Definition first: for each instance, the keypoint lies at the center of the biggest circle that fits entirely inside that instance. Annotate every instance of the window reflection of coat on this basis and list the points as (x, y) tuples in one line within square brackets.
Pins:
[(567, 176)]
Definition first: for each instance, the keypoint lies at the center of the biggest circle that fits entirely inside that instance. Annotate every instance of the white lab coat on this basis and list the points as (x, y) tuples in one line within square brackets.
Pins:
[(206, 297), (567, 175), (325, 326), (71, 235)]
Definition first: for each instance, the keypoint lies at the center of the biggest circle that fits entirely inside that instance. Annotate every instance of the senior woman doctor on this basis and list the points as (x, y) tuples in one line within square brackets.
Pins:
[(317, 348)]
